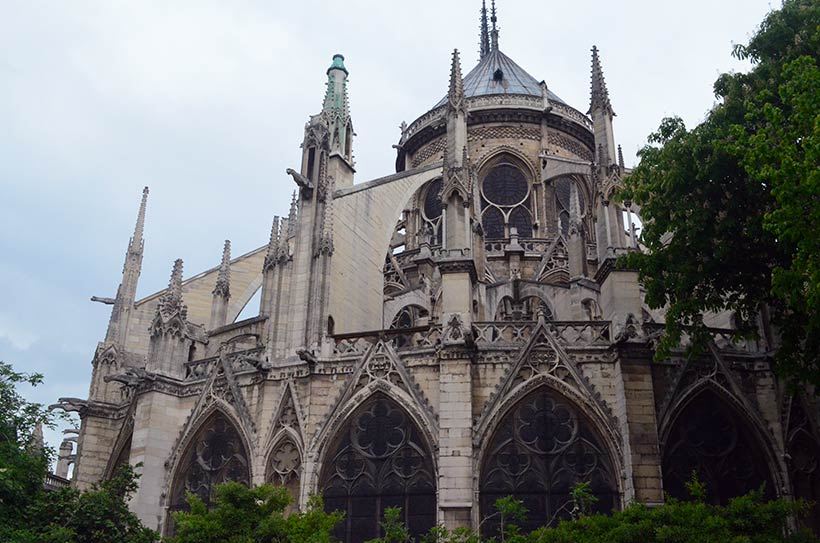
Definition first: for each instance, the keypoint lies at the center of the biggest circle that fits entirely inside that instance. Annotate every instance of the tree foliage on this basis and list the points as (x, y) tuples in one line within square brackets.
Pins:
[(98, 515), (746, 519), (29, 514), (22, 464), (253, 515), (731, 208)]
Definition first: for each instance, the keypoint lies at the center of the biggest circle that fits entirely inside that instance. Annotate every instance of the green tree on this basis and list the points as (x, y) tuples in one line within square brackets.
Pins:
[(22, 465), (253, 515), (29, 514), (98, 515), (394, 528), (731, 208)]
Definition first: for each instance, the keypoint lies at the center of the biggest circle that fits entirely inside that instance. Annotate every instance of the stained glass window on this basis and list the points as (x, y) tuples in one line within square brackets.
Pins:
[(710, 439), (505, 202), (542, 447), (379, 461), (215, 455)]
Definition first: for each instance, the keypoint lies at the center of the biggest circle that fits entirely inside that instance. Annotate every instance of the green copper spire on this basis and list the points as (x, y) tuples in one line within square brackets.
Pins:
[(338, 64)]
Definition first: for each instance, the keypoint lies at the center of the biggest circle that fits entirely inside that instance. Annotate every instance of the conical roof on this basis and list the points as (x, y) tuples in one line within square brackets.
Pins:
[(484, 79)]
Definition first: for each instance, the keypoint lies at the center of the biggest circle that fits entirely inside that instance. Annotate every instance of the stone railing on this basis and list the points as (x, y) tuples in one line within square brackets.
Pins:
[(486, 334), (247, 359), (54, 482), (563, 110), (723, 338), (573, 333), (357, 343)]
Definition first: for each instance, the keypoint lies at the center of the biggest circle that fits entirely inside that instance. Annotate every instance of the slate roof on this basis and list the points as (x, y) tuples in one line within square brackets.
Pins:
[(515, 80)]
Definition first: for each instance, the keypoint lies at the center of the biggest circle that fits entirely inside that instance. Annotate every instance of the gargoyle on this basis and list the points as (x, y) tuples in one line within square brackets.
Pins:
[(70, 405), (131, 378), (304, 183)]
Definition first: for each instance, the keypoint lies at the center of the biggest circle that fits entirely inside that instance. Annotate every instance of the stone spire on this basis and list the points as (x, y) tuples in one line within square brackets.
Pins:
[(171, 302), (127, 291), (599, 95), (293, 215), (136, 243), (273, 244), (600, 108), (455, 93), (336, 109), (222, 290), (484, 38), (621, 164), (494, 31), (223, 279)]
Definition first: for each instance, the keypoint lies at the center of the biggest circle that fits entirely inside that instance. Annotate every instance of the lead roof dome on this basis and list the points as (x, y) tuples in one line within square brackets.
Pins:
[(485, 79)]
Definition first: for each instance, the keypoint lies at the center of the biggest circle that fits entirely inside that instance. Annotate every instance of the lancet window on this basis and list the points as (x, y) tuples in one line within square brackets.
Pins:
[(563, 191), (710, 439), (431, 213), (379, 460), (803, 459), (505, 201), (285, 467), (542, 447), (215, 455)]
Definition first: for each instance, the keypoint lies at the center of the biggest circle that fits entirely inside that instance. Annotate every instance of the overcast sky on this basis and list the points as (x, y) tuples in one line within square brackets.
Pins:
[(205, 102)]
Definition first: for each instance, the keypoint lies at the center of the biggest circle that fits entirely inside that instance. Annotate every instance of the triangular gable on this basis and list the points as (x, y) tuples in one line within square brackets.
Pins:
[(221, 388), (379, 367), (555, 261), (543, 358), (288, 415)]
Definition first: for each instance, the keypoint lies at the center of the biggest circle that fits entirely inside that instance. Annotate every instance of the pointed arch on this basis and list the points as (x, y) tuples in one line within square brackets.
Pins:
[(379, 457), (216, 452), (711, 433), (541, 443), (803, 458), (380, 370)]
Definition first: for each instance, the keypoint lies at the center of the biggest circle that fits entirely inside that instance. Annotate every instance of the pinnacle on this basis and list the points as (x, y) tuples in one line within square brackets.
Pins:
[(139, 228), (171, 301), (455, 94), (599, 95), (484, 36), (223, 279)]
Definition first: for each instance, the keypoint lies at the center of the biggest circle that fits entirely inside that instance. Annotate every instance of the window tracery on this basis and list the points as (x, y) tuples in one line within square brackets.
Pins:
[(284, 468), (379, 461), (709, 438), (431, 213), (215, 455), (803, 459), (542, 447), (505, 201)]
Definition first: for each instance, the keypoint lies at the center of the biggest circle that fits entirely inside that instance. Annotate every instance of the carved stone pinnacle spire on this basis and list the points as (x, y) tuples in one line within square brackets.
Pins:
[(273, 243), (494, 31), (136, 240), (621, 159), (455, 94), (292, 215), (223, 279), (599, 95), (484, 37), (171, 301)]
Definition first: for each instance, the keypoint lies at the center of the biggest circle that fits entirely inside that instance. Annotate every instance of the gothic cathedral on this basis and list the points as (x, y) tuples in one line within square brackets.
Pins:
[(437, 338)]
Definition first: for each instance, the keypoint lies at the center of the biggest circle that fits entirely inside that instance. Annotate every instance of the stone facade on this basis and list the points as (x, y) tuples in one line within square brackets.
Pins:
[(436, 337)]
